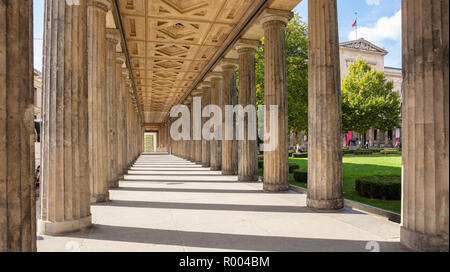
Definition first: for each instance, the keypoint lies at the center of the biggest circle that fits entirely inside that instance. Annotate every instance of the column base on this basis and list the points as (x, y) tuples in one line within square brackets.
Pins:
[(418, 241), (228, 173), (325, 204), (205, 164), (100, 198), (248, 178), (275, 187), (215, 168), (56, 228), (114, 184), (199, 162)]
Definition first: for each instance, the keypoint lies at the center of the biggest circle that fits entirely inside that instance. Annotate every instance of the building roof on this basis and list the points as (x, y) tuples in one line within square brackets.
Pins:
[(364, 45)]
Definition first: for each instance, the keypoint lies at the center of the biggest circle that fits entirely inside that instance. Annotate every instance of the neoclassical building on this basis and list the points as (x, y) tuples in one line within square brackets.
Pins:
[(112, 69), (374, 56)]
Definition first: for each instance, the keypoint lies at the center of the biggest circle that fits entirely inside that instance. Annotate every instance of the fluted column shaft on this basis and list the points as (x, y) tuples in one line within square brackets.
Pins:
[(65, 189), (119, 119), (325, 116), (206, 145), (111, 96), (124, 118), (276, 171), (191, 141), (248, 161), (96, 29), (216, 145), (17, 190), (197, 141), (425, 205), (229, 160)]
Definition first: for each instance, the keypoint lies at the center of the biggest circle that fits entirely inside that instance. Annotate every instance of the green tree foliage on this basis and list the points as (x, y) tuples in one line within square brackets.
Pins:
[(368, 100), (297, 74)]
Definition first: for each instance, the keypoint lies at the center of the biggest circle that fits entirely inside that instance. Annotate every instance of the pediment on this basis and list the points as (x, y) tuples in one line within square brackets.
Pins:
[(363, 45)]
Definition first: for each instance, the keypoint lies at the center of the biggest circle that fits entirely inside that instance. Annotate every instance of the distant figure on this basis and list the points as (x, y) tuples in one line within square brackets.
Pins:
[(367, 144), (298, 149)]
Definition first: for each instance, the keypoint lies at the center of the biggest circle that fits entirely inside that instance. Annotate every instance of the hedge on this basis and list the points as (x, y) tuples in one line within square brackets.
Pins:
[(300, 155), (301, 176), (379, 187), (390, 151), (363, 152), (260, 164), (293, 167)]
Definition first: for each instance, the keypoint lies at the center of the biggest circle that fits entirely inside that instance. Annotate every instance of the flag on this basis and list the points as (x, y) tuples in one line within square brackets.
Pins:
[(355, 24)]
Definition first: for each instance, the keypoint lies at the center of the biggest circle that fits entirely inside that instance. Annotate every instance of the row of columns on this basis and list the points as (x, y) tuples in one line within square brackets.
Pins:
[(70, 122), (91, 126)]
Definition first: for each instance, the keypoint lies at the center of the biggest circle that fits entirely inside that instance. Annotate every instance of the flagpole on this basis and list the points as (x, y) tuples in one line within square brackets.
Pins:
[(356, 19)]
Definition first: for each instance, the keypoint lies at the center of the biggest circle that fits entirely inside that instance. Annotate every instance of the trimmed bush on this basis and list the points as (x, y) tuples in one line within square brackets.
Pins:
[(347, 151), (363, 152), (293, 167), (390, 151), (300, 155), (260, 164), (261, 157), (379, 187), (301, 176)]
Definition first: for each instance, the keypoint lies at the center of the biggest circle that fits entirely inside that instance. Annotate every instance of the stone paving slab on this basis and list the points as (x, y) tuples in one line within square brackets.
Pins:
[(154, 212)]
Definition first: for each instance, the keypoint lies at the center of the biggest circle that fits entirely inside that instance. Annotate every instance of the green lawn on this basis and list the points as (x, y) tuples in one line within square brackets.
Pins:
[(359, 166)]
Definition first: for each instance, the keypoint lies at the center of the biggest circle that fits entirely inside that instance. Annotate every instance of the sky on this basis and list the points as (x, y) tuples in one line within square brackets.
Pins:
[(379, 21)]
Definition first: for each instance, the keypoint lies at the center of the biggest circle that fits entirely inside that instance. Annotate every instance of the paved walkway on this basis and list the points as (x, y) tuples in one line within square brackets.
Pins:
[(168, 204)]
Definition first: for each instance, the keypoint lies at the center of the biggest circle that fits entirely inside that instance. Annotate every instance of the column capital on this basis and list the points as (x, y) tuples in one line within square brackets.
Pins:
[(229, 64), (275, 15), (205, 84), (244, 44), (112, 35), (197, 91), (120, 58), (214, 76), (104, 5)]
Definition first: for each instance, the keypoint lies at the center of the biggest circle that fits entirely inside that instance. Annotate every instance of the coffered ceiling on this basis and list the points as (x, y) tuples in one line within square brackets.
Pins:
[(170, 42)]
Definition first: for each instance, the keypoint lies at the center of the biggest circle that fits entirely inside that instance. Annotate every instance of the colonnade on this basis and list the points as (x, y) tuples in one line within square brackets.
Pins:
[(91, 126), (92, 129)]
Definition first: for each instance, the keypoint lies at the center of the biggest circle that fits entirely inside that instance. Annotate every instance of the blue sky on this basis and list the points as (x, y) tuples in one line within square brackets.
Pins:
[(378, 22)]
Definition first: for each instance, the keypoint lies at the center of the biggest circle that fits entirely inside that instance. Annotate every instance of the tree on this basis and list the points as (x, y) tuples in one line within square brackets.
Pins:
[(368, 100), (297, 74)]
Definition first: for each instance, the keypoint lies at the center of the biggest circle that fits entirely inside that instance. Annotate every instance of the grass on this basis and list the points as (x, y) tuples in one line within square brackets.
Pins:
[(355, 166)]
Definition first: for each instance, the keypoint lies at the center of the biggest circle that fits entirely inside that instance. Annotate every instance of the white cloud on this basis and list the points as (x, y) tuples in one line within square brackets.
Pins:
[(386, 28), (373, 2)]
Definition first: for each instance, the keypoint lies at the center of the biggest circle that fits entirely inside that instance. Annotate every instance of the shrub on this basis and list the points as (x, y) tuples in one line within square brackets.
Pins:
[(291, 152), (301, 176), (379, 187), (363, 152), (300, 155), (390, 151), (348, 151), (260, 164), (260, 157), (293, 167)]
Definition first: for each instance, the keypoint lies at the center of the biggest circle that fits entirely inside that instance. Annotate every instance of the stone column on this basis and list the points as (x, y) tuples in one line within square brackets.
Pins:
[(17, 189), (96, 29), (325, 115), (112, 39), (386, 138), (381, 138), (192, 150), (425, 125), (120, 85), (229, 160), (197, 141), (216, 145), (206, 144), (65, 194), (276, 170), (248, 148), (124, 125)]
